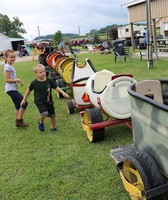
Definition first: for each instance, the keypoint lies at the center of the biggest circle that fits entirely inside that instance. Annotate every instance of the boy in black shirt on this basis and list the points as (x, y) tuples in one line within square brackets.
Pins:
[(42, 87)]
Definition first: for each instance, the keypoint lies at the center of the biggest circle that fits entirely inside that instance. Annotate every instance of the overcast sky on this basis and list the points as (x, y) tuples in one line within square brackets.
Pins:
[(64, 15)]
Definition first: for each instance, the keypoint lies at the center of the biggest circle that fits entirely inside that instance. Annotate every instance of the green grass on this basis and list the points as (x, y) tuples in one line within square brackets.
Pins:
[(63, 165)]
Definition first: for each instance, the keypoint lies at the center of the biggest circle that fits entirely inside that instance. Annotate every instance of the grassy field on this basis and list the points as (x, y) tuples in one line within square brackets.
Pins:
[(63, 165)]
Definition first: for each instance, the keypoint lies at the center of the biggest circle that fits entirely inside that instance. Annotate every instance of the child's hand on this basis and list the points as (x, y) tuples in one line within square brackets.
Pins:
[(21, 82), (22, 103)]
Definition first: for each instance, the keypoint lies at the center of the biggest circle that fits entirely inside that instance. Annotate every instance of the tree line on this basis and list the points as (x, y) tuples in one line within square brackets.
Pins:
[(14, 28)]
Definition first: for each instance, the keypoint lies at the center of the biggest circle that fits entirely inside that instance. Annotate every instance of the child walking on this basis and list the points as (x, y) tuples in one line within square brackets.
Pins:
[(11, 85), (42, 87)]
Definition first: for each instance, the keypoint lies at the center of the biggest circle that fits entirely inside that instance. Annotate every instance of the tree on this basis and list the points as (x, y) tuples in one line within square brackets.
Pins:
[(96, 38), (57, 38), (11, 28), (17, 28), (113, 34)]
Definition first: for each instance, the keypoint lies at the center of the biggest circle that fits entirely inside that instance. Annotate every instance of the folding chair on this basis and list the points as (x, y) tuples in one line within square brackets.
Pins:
[(121, 51)]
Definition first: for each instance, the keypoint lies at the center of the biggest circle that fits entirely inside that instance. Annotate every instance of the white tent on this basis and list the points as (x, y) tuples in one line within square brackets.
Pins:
[(5, 42), (9, 43)]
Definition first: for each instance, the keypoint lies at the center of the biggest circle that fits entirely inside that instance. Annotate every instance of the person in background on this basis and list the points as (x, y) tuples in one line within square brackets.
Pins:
[(11, 85), (42, 87), (51, 47), (19, 48), (28, 49), (62, 47)]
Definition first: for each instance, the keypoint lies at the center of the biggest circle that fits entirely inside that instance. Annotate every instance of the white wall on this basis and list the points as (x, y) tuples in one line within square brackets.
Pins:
[(5, 43), (125, 31)]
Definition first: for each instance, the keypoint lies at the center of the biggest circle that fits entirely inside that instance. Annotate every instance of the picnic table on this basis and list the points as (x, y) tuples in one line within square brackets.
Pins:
[(162, 44)]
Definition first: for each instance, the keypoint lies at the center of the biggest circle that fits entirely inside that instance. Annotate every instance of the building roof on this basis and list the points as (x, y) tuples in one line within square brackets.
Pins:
[(137, 9), (11, 39), (16, 39), (132, 2)]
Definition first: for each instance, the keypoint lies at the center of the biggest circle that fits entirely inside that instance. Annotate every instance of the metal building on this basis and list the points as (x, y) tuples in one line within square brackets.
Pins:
[(9, 43), (137, 13)]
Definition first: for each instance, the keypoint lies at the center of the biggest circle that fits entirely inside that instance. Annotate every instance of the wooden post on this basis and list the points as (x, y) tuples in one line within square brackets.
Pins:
[(132, 37), (155, 37), (149, 36)]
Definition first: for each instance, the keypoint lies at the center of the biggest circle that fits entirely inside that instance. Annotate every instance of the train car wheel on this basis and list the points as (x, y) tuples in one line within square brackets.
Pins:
[(60, 84), (70, 107), (92, 116), (143, 172)]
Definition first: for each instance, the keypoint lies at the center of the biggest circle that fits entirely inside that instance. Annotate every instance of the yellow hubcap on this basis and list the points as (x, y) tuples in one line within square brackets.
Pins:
[(132, 175), (87, 121)]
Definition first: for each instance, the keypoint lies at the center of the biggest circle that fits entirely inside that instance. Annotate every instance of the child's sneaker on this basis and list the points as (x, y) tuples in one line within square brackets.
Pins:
[(40, 126), (54, 129)]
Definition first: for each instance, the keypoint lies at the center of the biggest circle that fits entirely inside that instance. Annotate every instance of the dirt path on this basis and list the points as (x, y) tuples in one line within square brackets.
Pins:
[(18, 59)]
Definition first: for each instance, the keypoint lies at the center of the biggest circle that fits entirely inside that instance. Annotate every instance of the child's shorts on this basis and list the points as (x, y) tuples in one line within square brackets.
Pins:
[(46, 109)]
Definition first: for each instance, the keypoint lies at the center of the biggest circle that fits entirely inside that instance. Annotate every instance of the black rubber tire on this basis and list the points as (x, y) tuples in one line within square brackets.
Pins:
[(70, 107), (148, 171), (54, 75), (95, 116), (60, 84)]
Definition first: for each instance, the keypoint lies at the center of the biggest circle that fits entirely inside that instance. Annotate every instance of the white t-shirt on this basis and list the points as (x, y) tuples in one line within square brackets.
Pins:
[(10, 86)]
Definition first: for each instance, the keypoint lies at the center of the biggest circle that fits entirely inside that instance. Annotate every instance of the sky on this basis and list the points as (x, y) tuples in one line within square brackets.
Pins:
[(69, 16)]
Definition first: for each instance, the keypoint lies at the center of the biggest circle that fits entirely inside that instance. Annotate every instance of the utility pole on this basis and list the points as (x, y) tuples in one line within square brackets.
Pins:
[(38, 31), (149, 36), (79, 30)]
